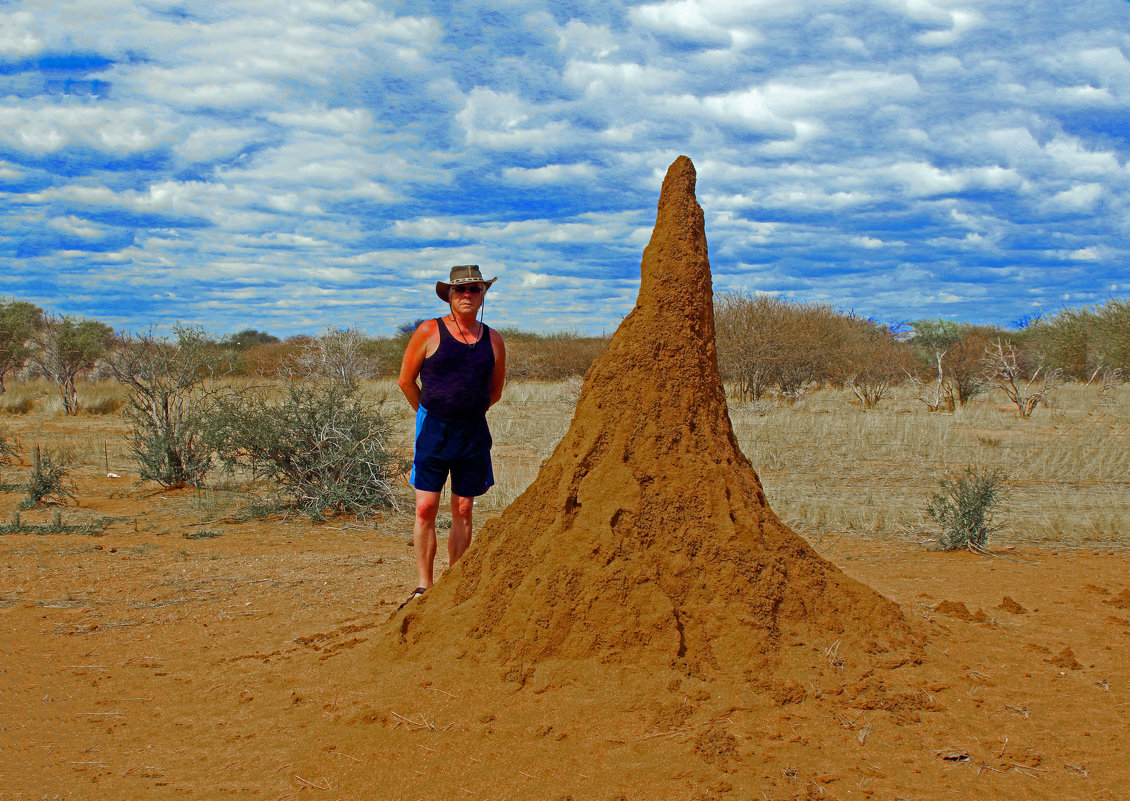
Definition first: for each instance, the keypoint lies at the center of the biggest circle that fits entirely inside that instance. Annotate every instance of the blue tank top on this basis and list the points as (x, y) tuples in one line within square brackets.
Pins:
[(455, 380)]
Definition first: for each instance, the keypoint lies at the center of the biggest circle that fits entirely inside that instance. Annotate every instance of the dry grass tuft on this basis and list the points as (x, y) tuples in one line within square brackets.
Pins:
[(17, 402), (105, 397)]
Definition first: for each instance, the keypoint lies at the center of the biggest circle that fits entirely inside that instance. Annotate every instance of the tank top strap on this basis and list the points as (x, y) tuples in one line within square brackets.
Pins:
[(443, 332)]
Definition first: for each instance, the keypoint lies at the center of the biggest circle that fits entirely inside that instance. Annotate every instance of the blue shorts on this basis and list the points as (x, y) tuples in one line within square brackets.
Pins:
[(461, 447)]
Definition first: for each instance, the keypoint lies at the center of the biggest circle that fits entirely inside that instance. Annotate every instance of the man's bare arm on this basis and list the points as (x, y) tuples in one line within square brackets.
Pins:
[(498, 376), (413, 361)]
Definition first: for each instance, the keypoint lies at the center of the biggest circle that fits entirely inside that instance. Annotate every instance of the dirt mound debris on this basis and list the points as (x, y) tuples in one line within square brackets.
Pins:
[(1065, 659), (1010, 605), (646, 537), (1122, 600)]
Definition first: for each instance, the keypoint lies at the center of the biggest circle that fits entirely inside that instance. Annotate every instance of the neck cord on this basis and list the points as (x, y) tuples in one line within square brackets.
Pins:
[(459, 328)]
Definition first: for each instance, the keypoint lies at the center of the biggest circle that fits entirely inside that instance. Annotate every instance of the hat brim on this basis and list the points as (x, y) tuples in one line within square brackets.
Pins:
[(443, 288)]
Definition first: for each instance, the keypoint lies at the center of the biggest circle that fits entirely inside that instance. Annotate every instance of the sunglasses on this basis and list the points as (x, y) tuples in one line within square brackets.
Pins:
[(473, 289)]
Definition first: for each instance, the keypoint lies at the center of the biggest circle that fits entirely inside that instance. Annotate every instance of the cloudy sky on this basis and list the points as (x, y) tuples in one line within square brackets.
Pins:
[(291, 165)]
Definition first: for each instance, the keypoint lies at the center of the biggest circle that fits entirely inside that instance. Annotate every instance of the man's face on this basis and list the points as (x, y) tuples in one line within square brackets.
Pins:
[(467, 297)]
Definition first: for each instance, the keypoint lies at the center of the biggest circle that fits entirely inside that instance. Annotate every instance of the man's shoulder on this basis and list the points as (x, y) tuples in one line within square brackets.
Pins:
[(427, 328)]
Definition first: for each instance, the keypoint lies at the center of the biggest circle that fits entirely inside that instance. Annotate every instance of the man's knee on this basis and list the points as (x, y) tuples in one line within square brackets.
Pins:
[(427, 506), (462, 507)]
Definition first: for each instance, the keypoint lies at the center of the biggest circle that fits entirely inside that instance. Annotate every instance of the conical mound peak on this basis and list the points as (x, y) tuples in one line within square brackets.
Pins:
[(646, 536)]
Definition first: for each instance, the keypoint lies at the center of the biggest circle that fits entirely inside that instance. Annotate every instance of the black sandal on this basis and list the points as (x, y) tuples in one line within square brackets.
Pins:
[(416, 593)]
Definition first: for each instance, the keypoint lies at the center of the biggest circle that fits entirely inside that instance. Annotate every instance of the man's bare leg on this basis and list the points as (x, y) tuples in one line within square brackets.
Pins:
[(461, 511), (424, 535)]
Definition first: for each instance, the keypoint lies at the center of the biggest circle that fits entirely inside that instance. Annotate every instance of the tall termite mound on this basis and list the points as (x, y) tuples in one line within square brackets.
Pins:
[(646, 536)]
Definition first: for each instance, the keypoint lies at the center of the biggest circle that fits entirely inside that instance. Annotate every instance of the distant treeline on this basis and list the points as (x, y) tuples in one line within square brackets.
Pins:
[(765, 345), (769, 345)]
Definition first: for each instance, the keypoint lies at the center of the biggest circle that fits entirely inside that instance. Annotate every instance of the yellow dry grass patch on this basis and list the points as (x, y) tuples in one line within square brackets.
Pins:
[(828, 466)]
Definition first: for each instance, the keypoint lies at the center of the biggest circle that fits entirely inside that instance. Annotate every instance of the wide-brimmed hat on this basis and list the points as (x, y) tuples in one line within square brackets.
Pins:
[(462, 274)]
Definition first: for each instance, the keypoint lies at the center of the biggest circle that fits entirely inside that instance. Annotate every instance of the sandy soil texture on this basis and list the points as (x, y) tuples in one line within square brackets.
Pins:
[(152, 666)]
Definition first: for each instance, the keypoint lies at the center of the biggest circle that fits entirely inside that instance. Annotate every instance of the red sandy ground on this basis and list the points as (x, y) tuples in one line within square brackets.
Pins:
[(147, 665)]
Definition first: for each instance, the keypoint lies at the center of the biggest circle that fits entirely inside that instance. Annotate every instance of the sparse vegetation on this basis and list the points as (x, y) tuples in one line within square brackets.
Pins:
[(103, 397), (321, 448), (874, 360), (547, 357), (47, 482), (1083, 342), (9, 452), (173, 388), (964, 508), (9, 448), (54, 526), (764, 342), (1025, 385), (14, 402), (340, 355), (951, 370)]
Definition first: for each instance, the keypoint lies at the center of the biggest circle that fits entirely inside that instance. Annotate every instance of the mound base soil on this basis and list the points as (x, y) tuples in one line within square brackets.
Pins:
[(148, 666)]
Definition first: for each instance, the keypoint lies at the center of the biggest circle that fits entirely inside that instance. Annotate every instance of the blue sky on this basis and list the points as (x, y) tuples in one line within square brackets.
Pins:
[(291, 165)]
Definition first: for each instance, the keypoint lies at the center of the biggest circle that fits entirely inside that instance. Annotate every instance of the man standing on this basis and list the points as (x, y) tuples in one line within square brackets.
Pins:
[(461, 367)]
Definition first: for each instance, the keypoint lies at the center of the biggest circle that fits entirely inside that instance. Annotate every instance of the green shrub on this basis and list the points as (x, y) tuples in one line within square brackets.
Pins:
[(46, 483), (203, 534), (964, 508), (320, 446), (172, 389)]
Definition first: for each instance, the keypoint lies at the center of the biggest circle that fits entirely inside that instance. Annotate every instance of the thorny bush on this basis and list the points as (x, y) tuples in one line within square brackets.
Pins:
[(320, 446), (46, 482), (964, 508), (173, 389)]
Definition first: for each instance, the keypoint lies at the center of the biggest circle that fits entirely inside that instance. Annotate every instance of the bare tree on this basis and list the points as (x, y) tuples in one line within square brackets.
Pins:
[(1025, 387), (936, 395), (873, 359), (766, 342), (341, 355), (66, 347)]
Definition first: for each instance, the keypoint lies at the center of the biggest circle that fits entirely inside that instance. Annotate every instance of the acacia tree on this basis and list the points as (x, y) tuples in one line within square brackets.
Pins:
[(64, 348), (18, 322), (932, 341)]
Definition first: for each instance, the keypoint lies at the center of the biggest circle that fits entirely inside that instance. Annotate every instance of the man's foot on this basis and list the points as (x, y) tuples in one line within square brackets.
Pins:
[(416, 593)]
